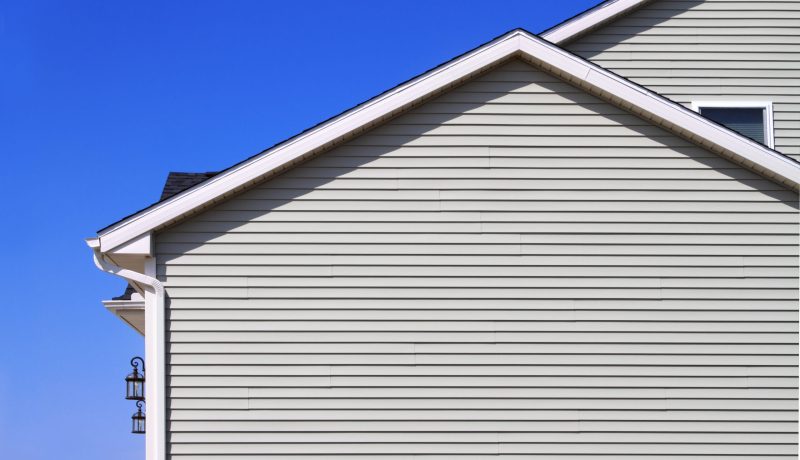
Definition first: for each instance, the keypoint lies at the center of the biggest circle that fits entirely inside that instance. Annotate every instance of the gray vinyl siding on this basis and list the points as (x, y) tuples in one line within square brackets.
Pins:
[(515, 268), (710, 50)]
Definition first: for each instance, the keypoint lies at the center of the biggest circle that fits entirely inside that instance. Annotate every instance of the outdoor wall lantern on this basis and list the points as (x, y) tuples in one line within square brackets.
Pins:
[(134, 382), (137, 419)]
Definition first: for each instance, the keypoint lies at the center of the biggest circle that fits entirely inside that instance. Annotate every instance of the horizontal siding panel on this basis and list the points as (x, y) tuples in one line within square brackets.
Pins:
[(484, 337), (530, 184), (485, 382), (689, 347), (705, 240), (496, 326), (288, 271), (190, 344), (514, 304), (656, 315), (477, 293), (710, 394), (708, 207), (459, 172), (476, 249), (594, 409), (566, 140), (296, 451), (565, 153), (495, 282), (590, 196), (544, 398), (484, 371), (484, 260), (497, 216), (616, 130), (471, 456), (622, 61), (274, 438), (283, 359), (556, 426), (489, 227)]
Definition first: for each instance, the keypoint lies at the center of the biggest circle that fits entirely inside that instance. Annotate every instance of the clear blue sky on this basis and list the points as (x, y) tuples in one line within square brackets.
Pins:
[(99, 100)]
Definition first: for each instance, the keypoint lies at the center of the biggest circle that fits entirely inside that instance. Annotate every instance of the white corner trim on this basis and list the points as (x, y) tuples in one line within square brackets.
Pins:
[(590, 19), (516, 43), (156, 354), (769, 123)]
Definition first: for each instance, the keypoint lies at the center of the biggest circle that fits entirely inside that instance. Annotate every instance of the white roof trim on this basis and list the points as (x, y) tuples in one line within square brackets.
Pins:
[(516, 43), (590, 19)]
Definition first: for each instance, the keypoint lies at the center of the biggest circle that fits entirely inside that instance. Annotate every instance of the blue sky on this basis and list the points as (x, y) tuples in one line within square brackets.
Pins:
[(100, 100)]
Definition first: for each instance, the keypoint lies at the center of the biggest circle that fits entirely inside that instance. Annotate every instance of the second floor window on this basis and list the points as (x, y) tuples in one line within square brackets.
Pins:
[(753, 120)]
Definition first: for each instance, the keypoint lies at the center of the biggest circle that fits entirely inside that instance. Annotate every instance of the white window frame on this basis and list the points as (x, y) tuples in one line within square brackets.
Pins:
[(769, 131)]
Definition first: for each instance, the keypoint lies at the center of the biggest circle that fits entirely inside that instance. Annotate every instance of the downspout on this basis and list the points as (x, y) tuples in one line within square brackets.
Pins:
[(155, 388)]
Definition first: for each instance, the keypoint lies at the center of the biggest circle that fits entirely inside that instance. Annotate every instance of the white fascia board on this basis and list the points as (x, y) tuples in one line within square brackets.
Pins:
[(590, 19), (516, 43)]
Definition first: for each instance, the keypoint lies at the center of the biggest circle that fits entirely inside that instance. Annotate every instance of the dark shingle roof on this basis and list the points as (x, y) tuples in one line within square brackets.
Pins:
[(180, 181), (125, 295)]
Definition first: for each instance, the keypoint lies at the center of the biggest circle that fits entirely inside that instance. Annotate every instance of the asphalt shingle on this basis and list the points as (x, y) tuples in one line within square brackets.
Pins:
[(180, 181)]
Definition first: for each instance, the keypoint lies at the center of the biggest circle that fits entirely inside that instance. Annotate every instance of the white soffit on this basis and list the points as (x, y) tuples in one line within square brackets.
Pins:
[(590, 20), (130, 311), (517, 43)]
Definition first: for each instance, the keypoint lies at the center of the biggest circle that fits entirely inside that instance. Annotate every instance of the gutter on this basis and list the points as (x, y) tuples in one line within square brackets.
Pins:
[(150, 284)]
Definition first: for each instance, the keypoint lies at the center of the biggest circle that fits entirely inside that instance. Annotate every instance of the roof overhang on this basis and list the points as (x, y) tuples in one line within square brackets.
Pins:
[(518, 43)]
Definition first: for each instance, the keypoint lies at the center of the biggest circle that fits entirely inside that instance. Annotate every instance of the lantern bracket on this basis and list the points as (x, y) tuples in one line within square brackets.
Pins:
[(136, 366)]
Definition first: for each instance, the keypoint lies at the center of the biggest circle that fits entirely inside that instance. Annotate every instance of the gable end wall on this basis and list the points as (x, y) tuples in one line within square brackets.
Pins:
[(513, 268)]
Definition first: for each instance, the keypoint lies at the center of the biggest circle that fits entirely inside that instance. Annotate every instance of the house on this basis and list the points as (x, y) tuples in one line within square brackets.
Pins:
[(578, 245)]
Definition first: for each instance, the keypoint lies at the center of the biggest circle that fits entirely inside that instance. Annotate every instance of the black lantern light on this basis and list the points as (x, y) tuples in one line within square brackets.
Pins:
[(134, 382), (137, 419)]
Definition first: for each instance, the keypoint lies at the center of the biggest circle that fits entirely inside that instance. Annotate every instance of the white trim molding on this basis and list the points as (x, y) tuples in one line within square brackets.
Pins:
[(590, 19), (769, 130), (155, 349), (518, 43)]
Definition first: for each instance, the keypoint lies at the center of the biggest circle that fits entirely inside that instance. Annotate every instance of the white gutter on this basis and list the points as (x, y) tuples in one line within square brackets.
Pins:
[(155, 423)]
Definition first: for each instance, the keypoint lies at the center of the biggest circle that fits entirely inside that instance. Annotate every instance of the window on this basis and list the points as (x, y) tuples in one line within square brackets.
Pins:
[(750, 119)]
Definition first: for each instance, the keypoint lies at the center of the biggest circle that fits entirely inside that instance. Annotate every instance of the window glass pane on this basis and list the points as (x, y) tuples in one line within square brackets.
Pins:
[(745, 121)]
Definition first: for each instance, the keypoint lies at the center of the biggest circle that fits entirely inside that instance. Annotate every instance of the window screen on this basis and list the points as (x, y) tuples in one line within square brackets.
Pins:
[(744, 120)]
